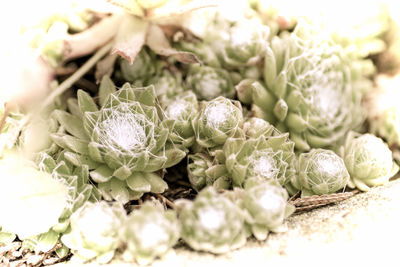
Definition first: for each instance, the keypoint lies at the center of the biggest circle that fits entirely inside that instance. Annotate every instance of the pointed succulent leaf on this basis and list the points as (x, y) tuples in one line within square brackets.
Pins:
[(86, 103), (137, 182), (106, 88), (71, 123), (101, 174)]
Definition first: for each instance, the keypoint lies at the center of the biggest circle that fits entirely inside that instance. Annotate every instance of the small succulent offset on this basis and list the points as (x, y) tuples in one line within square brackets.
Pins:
[(244, 43), (217, 120), (320, 172), (265, 153), (124, 143), (183, 108), (167, 85), (308, 91), (209, 82), (94, 232), (142, 68), (203, 171), (80, 190), (368, 160), (260, 150), (150, 232), (212, 222), (267, 207)]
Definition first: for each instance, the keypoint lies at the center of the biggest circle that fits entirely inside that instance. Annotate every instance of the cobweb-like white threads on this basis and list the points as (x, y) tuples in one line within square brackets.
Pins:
[(176, 110), (329, 168), (217, 114), (265, 166), (211, 85), (123, 129), (371, 149)]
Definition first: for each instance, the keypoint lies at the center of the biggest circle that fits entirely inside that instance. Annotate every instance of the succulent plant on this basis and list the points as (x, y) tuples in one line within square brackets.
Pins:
[(124, 143), (266, 203), (142, 68), (217, 120), (202, 50), (320, 172), (244, 43), (203, 171), (368, 160), (208, 82), (94, 232), (80, 189), (259, 151), (150, 232), (167, 85), (383, 109), (183, 108), (212, 222), (308, 90)]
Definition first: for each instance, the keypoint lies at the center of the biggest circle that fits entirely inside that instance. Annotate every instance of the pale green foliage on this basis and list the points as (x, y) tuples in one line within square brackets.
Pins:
[(150, 232), (368, 160), (209, 82), (212, 222), (320, 171), (182, 109), (142, 68), (167, 85), (244, 44), (266, 204), (124, 142), (94, 231), (217, 120), (309, 90)]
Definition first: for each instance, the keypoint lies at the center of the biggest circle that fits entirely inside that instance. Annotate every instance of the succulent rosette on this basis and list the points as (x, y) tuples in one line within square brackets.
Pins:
[(124, 143), (77, 180), (368, 160), (167, 85), (266, 204), (245, 43), (94, 232), (212, 222), (209, 82), (150, 232), (182, 109), (142, 68), (265, 153), (259, 151), (217, 120), (308, 90), (320, 172), (203, 171)]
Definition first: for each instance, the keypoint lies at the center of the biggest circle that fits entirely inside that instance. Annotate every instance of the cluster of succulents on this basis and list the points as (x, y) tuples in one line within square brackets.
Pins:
[(245, 113)]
